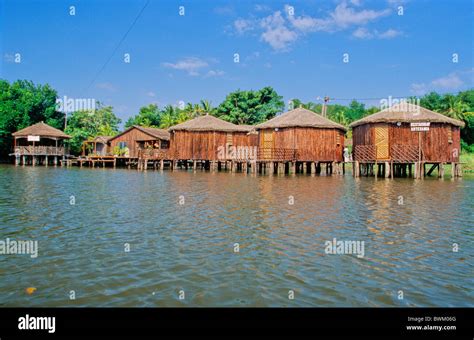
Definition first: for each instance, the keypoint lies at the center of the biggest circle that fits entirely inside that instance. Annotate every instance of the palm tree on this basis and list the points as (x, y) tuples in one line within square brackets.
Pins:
[(206, 106), (183, 116), (168, 117), (454, 107)]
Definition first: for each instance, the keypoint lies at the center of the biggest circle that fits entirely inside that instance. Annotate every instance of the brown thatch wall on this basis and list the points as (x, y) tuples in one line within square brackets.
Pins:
[(312, 144), (435, 142), (204, 145)]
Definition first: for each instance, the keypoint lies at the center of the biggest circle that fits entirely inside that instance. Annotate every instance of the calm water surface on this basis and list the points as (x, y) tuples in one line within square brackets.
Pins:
[(190, 246)]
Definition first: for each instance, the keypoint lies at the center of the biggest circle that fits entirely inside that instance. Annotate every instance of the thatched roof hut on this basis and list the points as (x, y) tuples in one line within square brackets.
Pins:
[(404, 133), (210, 123), (313, 137), (40, 140), (407, 113), (201, 138), (300, 117), (42, 130)]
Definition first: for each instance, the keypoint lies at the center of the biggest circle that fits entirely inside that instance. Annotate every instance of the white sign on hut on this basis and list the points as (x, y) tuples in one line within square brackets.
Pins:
[(420, 126)]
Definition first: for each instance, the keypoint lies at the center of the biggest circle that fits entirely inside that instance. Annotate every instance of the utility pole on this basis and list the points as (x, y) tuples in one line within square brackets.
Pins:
[(326, 100)]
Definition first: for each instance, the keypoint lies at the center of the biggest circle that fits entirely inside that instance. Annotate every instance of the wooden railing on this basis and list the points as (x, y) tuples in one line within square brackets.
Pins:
[(155, 154), (398, 153), (365, 153), (404, 153), (31, 150), (276, 154)]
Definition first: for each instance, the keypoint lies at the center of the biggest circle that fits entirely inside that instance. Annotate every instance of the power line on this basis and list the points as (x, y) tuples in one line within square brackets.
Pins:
[(378, 98), (118, 45)]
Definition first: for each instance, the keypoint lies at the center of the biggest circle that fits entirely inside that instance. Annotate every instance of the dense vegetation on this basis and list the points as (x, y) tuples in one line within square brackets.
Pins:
[(23, 103)]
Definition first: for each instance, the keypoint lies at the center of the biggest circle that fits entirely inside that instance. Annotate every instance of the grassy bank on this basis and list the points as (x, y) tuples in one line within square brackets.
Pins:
[(468, 160)]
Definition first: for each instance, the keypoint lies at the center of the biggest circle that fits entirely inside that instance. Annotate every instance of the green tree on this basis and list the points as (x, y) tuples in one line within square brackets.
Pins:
[(355, 111), (168, 117), (250, 107), (147, 116), (432, 101), (84, 125)]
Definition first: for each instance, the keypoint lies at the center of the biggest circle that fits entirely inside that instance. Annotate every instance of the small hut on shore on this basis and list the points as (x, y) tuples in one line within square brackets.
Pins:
[(211, 143), (132, 142), (39, 144), (300, 141), (98, 146), (390, 142)]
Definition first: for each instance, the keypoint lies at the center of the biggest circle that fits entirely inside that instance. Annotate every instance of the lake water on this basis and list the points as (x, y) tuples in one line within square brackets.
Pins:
[(182, 229)]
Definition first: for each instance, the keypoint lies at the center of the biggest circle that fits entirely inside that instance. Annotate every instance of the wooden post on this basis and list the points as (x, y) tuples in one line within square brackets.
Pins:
[(387, 169), (356, 169), (313, 168), (391, 169), (293, 168)]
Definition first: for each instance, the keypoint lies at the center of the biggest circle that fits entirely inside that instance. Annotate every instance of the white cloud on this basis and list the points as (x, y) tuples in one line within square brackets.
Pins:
[(9, 58), (451, 82), (276, 33), (344, 16), (364, 33), (261, 8), (280, 31), (190, 65), (151, 94), (243, 25), (418, 89), (106, 86), (214, 73), (389, 34)]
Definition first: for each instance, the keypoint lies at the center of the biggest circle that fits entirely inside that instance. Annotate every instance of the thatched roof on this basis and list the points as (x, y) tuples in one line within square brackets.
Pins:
[(300, 117), (154, 133), (210, 123), (102, 139), (41, 129), (407, 113)]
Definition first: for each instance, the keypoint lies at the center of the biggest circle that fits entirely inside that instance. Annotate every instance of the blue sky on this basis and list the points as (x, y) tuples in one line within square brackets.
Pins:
[(297, 47)]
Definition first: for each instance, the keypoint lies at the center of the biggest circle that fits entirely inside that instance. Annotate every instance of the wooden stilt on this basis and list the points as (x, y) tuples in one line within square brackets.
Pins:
[(440, 170)]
